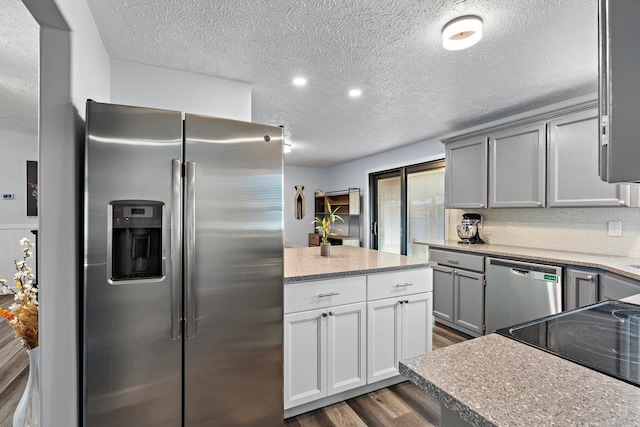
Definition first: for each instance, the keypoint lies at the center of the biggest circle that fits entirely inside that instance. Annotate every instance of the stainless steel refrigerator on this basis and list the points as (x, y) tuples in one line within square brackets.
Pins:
[(183, 253)]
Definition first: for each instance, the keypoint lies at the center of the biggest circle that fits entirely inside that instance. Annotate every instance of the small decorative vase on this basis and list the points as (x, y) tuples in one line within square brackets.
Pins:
[(28, 410), (325, 249)]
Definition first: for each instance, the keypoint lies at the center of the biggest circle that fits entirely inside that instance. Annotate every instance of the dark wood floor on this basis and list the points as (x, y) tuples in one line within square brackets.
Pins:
[(14, 364), (402, 405)]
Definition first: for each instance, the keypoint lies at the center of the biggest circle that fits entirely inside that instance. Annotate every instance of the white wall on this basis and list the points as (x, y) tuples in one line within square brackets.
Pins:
[(356, 173), (16, 149), (142, 85), (297, 231)]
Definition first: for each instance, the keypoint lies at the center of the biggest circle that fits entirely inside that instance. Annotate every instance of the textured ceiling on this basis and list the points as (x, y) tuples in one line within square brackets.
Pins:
[(18, 68), (534, 52)]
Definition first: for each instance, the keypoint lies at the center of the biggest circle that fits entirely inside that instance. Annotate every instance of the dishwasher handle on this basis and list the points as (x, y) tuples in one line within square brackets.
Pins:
[(520, 272)]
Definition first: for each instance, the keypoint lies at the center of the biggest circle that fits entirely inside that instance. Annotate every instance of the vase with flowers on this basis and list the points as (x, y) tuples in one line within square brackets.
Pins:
[(22, 315), (326, 227)]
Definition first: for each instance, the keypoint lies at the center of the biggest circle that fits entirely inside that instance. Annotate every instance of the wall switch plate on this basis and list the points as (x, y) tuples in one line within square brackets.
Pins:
[(614, 228), (7, 196)]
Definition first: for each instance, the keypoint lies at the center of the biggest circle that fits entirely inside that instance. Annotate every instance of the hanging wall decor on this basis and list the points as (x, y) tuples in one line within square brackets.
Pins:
[(32, 188), (299, 209)]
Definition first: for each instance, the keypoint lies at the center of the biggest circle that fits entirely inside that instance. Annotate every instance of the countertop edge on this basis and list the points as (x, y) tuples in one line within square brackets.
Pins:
[(464, 411), (559, 257), (359, 272)]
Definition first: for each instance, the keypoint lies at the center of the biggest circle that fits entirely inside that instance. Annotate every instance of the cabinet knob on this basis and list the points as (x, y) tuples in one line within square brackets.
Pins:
[(324, 314), (406, 301), (401, 302), (482, 205), (589, 277), (539, 204), (622, 203), (331, 313)]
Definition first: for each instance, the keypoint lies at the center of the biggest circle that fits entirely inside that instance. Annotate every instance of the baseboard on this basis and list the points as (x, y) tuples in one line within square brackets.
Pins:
[(330, 400)]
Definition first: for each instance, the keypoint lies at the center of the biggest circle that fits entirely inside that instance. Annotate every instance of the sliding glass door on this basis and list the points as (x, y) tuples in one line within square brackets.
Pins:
[(387, 226), (407, 206)]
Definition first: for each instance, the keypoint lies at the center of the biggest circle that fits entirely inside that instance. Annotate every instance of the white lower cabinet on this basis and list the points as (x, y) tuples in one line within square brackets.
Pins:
[(399, 328), (345, 333), (324, 352)]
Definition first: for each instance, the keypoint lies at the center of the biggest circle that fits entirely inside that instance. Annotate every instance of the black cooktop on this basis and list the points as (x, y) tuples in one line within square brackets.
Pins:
[(602, 336)]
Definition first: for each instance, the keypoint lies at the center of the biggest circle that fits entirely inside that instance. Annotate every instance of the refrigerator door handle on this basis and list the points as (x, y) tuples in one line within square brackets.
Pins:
[(176, 245), (190, 247)]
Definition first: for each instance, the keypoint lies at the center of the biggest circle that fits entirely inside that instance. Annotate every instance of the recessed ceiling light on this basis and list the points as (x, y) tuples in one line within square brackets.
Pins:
[(462, 33), (299, 81), (287, 148), (354, 93)]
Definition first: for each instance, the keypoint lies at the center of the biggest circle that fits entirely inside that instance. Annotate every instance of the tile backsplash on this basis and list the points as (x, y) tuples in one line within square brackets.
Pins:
[(568, 229)]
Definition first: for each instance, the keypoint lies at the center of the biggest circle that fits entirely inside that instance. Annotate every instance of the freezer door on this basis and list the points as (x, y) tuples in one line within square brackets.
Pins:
[(131, 345), (234, 254)]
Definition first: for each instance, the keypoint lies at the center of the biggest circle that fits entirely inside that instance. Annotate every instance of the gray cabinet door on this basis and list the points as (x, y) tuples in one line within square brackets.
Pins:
[(615, 287), (468, 302), (619, 90), (581, 288), (466, 174), (443, 293), (573, 164), (517, 171)]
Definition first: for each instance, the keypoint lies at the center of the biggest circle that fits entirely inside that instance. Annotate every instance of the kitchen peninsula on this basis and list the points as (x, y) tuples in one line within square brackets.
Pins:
[(496, 381), (348, 321)]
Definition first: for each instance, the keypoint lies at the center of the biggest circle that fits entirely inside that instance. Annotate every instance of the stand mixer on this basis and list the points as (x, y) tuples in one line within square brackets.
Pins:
[(468, 229)]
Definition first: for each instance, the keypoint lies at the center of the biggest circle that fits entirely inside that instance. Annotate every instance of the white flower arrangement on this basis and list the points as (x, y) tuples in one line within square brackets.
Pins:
[(22, 315)]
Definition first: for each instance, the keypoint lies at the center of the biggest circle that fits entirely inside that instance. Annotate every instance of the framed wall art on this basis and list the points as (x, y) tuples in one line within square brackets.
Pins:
[(32, 188)]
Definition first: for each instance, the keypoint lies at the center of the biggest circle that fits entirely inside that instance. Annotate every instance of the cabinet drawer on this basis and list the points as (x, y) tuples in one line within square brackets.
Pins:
[(385, 285), (324, 293), (457, 259)]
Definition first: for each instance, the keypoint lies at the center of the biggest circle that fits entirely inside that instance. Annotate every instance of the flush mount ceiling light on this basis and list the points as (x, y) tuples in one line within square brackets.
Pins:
[(462, 33), (287, 148), (299, 81), (354, 93)]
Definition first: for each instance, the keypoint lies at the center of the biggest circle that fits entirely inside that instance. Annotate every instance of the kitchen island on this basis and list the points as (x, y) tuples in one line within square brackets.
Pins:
[(348, 321), (496, 381), (303, 264)]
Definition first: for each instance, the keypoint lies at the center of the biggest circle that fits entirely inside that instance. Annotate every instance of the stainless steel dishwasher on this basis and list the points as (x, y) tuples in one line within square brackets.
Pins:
[(518, 292)]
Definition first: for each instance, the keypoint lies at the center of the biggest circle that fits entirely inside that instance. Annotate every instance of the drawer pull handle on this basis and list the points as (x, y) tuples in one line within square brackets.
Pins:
[(330, 294), (403, 285), (453, 261)]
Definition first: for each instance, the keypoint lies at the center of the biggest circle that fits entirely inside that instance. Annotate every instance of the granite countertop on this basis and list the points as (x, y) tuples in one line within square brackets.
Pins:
[(497, 381), (613, 264), (302, 264)]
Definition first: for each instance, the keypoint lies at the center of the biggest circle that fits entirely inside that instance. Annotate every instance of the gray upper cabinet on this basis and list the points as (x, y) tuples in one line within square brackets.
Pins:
[(619, 90), (573, 164), (466, 174), (517, 167)]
